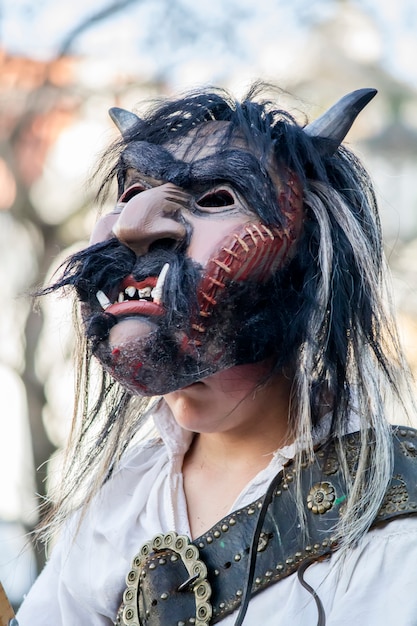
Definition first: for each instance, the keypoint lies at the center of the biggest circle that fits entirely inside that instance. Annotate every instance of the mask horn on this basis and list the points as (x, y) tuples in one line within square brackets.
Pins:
[(335, 123), (124, 120)]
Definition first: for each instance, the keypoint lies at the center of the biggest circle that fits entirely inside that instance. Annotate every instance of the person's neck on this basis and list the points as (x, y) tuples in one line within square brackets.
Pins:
[(263, 428), (220, 464)]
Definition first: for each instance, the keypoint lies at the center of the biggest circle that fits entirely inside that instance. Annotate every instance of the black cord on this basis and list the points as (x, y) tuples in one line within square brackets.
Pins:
[(320, 609), (254, 547)]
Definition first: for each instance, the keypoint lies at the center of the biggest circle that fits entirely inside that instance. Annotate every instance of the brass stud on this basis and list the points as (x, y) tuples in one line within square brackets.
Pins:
[(225, 528), (222, 605), (174, 557), (209, 539), (251, 511), (268, 574), (152, 565), (162, 561), (201, 544), (216, 572), (232, 521), (239, 593), (298, 555), (258, 580), (279, 567), (164, 596), (289, 561), (217, 534), (321, 498), (237, 557)]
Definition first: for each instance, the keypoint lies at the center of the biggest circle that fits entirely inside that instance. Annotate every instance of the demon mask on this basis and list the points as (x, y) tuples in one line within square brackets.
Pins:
[(190, 273)]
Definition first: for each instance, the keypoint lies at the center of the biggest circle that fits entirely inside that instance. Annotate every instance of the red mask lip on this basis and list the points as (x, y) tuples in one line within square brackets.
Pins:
[(129, 281), (136, 307)]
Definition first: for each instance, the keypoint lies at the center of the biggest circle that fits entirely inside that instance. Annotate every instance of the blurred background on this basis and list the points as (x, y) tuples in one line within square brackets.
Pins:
[(62, 66)]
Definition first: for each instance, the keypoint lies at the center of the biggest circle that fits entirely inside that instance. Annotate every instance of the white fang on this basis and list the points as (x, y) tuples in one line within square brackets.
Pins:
[(103, 299), (157, 290)]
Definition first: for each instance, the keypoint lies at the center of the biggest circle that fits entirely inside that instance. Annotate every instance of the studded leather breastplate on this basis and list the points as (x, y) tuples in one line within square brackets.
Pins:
[(174, 581)]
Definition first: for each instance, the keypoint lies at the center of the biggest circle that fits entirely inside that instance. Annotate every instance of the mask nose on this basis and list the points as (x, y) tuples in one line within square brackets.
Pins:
[(152, 216)]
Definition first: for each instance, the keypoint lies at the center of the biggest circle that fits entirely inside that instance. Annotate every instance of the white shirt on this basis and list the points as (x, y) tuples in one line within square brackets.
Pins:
[(83, 582)]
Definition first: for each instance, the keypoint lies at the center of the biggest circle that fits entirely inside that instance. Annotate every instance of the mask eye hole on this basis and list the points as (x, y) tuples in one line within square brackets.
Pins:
[(217, 198), (131, 192)]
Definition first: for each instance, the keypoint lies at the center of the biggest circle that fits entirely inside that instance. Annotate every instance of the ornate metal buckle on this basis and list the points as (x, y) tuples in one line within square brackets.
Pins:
[(179, 547)]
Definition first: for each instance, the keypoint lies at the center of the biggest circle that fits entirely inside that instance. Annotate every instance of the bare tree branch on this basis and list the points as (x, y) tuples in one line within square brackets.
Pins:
[(93, 20)]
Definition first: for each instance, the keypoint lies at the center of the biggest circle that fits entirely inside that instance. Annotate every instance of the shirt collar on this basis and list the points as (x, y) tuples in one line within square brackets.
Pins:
[(177, 440)]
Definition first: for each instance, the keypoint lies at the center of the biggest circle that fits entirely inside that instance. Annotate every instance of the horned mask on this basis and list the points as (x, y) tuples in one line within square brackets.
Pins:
[(191, 276)]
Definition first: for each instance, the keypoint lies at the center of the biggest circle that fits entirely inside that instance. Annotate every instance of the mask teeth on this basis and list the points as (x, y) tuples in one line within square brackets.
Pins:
[(103, 299), (157, 290), (131, 291)]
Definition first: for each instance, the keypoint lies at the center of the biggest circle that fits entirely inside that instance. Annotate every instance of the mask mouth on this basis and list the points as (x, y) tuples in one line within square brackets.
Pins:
[(132, 297)]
